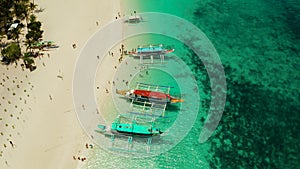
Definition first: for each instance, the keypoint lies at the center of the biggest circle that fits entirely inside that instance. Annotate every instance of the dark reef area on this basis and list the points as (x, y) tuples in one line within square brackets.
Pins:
[(258, 43)]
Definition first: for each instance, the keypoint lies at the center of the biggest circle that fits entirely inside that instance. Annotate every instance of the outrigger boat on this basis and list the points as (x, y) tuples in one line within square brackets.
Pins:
[(134, 19), (133, 128), (148, 50), (42, 44), (150, 96), (151, 93)]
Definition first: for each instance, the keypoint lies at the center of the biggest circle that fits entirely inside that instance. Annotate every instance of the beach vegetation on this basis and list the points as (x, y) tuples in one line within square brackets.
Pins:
[(6, 16), (28, 60), (21, 9), (19, 32), (11, 53), (34, 31)]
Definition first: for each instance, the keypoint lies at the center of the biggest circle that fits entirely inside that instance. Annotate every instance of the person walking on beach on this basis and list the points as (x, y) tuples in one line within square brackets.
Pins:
[(11, 143)]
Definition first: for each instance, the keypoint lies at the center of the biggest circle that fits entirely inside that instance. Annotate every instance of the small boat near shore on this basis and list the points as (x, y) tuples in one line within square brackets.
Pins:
[(149, 96), (132, 129), (134, 19), (151, 93), (147, 50)]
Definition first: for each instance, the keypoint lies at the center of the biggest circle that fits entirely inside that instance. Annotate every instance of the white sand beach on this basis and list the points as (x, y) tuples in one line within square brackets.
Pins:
[(39, 126)]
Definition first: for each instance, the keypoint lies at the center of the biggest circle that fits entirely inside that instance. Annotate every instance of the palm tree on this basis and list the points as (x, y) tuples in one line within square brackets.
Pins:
[(21, 9), (28, 61), (6, 16), (32, 6), (34, 31)]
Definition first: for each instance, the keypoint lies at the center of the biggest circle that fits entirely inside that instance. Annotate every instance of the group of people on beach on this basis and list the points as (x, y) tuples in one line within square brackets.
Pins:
[(87, 146), (79, 158), (122, 53)]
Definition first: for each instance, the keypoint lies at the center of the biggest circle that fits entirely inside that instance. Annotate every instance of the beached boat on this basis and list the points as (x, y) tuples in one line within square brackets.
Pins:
[(43, 44)]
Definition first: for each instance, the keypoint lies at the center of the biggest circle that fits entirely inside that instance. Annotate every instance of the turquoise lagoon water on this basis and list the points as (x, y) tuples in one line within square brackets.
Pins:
[(258, 43), (159, 77)]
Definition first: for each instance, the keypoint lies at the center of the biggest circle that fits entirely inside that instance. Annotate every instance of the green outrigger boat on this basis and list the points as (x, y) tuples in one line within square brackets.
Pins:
[(130, 129)]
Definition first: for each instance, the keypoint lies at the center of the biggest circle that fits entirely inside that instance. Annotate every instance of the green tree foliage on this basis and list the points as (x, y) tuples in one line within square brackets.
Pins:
[(18, 11), (34, 31), (28, 60), (21, 9), (11, 53), (6, 16)]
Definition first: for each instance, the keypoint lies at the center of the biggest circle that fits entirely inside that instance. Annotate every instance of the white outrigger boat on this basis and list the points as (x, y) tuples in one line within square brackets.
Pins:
[(134, 19)]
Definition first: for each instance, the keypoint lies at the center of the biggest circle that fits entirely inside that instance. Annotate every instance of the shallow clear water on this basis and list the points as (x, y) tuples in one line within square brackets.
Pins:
[(159, 77), (258, 43)]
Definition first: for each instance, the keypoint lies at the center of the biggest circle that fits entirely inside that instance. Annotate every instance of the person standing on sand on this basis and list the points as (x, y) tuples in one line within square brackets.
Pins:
[(11, 143)]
